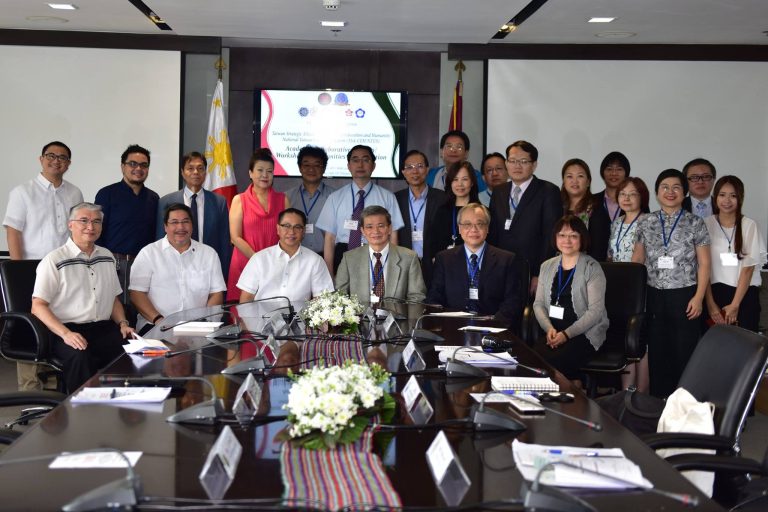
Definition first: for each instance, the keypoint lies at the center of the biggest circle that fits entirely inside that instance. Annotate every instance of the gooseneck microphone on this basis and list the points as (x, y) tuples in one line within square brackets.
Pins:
[(204, 413), (424, 334), (121, 493), (593, 425), (496, 343), (456, 368), (491, 419)]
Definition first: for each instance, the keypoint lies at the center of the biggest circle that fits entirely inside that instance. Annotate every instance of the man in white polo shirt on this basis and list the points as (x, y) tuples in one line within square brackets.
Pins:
[(175, 273), (76, 296), (36, 222), (287, 269)]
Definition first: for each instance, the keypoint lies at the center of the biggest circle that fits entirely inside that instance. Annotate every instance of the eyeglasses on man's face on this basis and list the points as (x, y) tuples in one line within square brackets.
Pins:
[(292, 227), (85, 222), (454, 147), (518, 161), (182, 222), (473, 225), (414, 167), (53, 156), (133, 164), (693, 178)]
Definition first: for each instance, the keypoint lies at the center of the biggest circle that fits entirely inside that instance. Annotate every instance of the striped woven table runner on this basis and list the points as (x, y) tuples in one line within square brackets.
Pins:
[(333, 350)]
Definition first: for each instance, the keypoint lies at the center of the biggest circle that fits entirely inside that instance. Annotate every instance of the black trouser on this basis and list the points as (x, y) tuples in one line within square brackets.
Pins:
[(672, 337), (749, 309), (104, 346), (569, 357)]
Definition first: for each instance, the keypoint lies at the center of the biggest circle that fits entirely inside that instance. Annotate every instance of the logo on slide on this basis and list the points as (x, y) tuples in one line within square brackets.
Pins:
[(360, 113), (303, 111)]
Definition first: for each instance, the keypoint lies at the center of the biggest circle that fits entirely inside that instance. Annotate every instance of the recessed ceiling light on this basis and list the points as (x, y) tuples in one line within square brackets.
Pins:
[(333, 23), (66, 7), (600, 20), (615, 35)]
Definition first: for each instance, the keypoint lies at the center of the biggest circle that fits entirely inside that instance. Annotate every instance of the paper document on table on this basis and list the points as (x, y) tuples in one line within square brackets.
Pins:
[(196, 328), (121, 395), (139, 345), (502, 383), (482, 328), (496, 398), (108, 459), (453, 314), (616, 471), (478, 357)]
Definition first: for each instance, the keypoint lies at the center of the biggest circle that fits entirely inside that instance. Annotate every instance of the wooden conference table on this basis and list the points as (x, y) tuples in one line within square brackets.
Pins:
[(173, 454)]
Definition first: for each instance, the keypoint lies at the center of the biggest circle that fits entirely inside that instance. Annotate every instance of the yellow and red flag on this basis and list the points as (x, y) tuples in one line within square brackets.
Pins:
[(220, 177)]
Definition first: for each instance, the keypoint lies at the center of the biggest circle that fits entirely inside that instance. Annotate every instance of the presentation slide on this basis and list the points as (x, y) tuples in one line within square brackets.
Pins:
[(659, 114), (335, 121)]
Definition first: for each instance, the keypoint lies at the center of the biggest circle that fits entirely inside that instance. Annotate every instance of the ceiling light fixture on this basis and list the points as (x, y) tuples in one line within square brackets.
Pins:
[(66, 7), (600, 20), (333, 23)]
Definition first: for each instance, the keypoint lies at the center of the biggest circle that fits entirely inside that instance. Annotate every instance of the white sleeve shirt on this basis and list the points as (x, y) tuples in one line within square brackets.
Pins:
[(271, 272), (176, 281), (340, 204), (41, 211)]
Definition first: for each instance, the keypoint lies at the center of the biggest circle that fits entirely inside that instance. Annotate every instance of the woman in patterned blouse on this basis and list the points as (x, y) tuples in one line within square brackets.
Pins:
[(633, 198), (579, 202), (674, 245)]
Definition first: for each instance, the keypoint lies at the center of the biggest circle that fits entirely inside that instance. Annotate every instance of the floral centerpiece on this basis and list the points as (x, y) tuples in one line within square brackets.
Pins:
[(333, 406), (333, 309)]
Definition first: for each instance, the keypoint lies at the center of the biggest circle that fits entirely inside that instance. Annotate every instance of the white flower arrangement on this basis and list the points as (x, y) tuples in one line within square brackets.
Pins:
[(333, 309), (333, 405)]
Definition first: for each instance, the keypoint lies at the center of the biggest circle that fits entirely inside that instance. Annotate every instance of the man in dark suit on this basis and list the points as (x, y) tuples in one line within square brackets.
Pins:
[(477, 276), (524, 211), (209, 209), (701, 175), (418, 205)]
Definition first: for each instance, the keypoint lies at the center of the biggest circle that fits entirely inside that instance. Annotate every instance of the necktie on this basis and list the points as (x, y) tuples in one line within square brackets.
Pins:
[(474, 280), (355, 237), (701, 209), (515, 200), (193, 207), (378, 272)]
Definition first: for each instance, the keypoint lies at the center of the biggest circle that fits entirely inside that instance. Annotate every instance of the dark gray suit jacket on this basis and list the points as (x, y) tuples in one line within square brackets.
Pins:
[(435, 198), (215, 223)]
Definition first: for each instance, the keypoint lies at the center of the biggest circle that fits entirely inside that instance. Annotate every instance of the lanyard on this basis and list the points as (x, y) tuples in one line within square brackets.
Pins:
[(375, 278), (725, 234), (663, 232), (415, 215), (560, 286), (453, 218), (352, 191), (629, 228), (314, 201), (472, 273), (616, 213)]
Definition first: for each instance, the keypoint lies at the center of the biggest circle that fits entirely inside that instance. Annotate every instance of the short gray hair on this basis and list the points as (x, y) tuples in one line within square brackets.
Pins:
[(374, 209), (85, 206), (472, 207)]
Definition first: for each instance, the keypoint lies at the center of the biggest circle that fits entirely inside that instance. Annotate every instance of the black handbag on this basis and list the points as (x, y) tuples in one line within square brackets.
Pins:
[(639, 412)]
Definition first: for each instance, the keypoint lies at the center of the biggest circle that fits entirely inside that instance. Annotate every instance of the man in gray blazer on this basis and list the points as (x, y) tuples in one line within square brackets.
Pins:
[(209, 209), (380, 270)]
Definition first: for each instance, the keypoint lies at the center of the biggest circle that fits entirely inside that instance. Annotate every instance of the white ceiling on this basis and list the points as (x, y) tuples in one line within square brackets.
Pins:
[(410, 24)]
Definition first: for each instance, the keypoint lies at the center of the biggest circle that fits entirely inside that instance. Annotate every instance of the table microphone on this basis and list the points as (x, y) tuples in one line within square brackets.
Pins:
[(456, 368), (494, 343), (597, 427), (491, 419), (121, 493), (424, 334), (204, 413), (556, 499)]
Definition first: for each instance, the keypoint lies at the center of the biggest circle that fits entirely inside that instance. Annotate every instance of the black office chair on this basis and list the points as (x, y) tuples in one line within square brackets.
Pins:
[(625, 306), (726, 368), (43, 401), (22, 336)]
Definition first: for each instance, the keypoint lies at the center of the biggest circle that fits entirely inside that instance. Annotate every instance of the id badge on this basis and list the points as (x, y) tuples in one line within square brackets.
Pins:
[(417, 236), (666, 262), (309, 229), (556, 311), (374, 298), (350, 224), (474, 294), (729, 259), (507, 224)]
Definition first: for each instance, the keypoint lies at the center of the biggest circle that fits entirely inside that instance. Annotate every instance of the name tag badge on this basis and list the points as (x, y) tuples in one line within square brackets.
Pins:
[(474, 294), (556, 312), (309, 229), (729, 259), (507, 224), (374, 298), (666, 262), (350, 224), (417, 236)]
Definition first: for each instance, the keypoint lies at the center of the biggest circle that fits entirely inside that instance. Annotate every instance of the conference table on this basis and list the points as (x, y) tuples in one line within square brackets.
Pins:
[(173, 454)]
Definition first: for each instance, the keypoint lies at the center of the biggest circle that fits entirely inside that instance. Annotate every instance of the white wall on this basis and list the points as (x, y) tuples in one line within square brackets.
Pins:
[(97, 101)]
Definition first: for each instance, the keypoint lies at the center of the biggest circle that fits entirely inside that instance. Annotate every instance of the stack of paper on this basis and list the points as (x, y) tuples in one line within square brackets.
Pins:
[(596, 468), (145, 346), (196, 328), (475, 356), (542, 384), (121, 395)]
